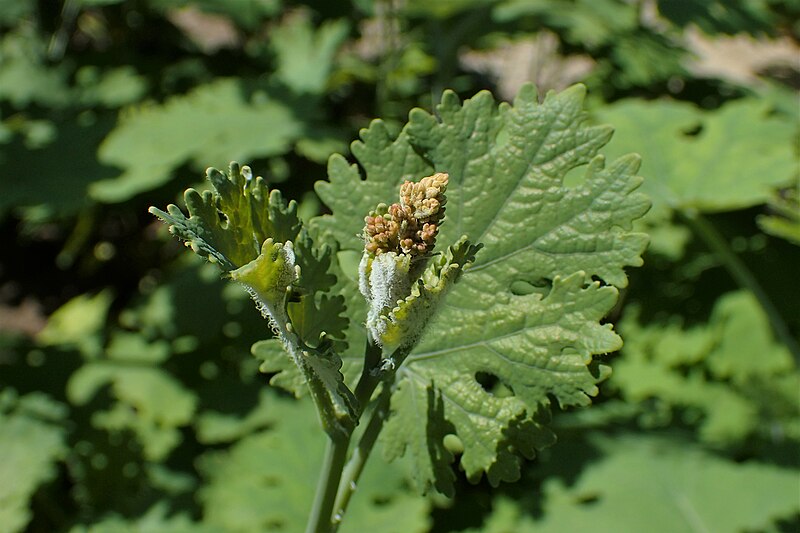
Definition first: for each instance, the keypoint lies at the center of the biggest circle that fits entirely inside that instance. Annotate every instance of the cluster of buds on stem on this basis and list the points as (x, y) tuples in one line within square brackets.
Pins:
[(408, 227)]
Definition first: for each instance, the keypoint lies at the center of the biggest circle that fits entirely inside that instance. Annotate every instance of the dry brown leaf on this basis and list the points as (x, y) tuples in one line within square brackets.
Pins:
[(535, 59), (208, 31), (739, 59)]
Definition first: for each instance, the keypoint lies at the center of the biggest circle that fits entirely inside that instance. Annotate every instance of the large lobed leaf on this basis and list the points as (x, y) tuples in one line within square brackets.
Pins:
[(527, 313), (712, 161), (265, 481), (654, 484), (32, 440), (732, 361), (212, 123)]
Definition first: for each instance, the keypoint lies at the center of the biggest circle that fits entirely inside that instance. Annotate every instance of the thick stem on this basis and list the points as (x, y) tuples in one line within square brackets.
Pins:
[(352, 472), (742, 275), (320, 519)]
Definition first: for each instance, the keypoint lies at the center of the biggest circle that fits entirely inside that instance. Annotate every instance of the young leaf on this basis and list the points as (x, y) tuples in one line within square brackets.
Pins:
[(258, 240), (527, 313)]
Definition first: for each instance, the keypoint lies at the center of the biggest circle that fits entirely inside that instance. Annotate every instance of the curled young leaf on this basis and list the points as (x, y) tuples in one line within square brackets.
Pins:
[(258, 240)]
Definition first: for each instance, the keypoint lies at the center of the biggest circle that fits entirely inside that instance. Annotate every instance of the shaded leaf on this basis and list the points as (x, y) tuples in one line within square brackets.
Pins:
[(31, 443), (784, 221), (675, 486), (733, 361), (305, 54), (266, 481), (155, 520), (150, 402), (213, 123)]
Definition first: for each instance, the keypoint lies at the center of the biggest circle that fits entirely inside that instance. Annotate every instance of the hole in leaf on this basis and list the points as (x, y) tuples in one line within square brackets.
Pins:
[(523, 287), (493, 385), (270, 481), (274, 525), (575, 177), (381, 501), (693, 131), (599, 280), (487, 380), (588, 499)]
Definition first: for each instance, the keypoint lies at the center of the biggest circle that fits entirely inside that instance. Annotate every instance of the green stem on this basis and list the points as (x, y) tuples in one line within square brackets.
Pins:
[(334, 427), (58, 42), (742, 275), (370, 376), (320, 519), (352, 472)]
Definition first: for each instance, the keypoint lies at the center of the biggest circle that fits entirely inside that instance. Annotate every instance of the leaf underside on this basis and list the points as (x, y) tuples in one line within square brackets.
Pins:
[(522, 326)]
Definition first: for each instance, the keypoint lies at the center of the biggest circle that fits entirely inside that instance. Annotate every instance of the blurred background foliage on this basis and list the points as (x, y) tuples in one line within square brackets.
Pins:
[(129, 400)]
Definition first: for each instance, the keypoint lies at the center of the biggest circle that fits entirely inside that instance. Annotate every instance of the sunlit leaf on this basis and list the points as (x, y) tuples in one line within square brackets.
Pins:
[(526, 314)]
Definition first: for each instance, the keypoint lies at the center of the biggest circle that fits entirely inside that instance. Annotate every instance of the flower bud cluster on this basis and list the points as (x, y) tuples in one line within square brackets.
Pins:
[(409, 227)]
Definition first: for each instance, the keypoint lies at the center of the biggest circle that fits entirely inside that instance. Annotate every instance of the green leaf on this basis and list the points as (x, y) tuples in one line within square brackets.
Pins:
[(305, 55), (155, 520), (785, 220), (644, 59), (79, 322), (657, 485), (527, 312), (274, 361), (255, 237), (25, 76), (214, 427), (732, 361), (31, 442), (711, 161), (150, 402), (229, 224), (111, 88), (213, 123), (12, 11), (722, 16), (127, 347), (266, 481), (589, 23), (54, 185)]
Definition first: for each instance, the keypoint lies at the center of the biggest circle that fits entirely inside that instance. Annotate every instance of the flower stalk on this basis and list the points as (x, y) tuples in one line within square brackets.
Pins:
[(399, 240)]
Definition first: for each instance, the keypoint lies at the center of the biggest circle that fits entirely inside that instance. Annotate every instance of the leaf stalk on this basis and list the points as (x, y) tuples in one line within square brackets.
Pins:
[(704, 229), (321, 520)]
